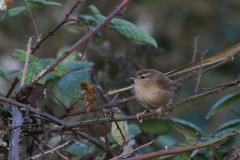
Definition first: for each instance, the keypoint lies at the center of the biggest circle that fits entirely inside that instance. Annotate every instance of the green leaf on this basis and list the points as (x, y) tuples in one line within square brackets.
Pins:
[(133, 129), (3, 15), (123, 127), (60, 70), (77, 26), (227, 145), (16, 11), (33, 70), (155, 126), (3, 74), (40, 3), (223, 103), (229, 124), (58, 93), (13, 71), (81, 149), (125, 28), (188, 126), (69, 58), (79, 65), (87, 18), (20, 55), (70, 83)]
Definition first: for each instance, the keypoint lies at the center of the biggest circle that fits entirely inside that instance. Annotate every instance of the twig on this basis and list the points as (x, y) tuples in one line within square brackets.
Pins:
[(34, 25), (106, 138), (145, 145), (52, 150), (45, 157), (12, 87), (56, 28), (235, 112), (84, 49), (95, 108), (195, 48), (77, 44), (200, 72), (118, 91), (178, 125), (57, 100), (26, 62), (99, 88), (49, 147), (185, 149), (88, 140), (36, 111), (96, 142)]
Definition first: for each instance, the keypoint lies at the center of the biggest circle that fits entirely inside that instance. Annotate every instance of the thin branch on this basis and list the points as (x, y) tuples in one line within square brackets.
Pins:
[(78, 21), (235, 112), (26, 62), (45, 157), (99, 88), (94, 108), (200, 72), (145, 145), (33, 110), (118, 91), (56, 28), (34, 25), (12, 87), (84, 49), (195, 48), (96, 142), (52, 150), (179, 125), (65, 108), (77, 44), (185, 149)]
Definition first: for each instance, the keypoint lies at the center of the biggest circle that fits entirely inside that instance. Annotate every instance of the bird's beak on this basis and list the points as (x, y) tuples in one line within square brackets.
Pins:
[(132, 78)]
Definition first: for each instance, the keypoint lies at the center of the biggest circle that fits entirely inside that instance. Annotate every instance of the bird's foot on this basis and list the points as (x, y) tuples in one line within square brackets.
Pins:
[(159, 111), (140, 115)]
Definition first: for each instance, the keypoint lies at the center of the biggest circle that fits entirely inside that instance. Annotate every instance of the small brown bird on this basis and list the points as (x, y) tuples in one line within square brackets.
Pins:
[(153, 90)]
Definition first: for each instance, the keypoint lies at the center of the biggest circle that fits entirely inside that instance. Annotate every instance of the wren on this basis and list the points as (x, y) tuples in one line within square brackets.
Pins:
[(153, 90)]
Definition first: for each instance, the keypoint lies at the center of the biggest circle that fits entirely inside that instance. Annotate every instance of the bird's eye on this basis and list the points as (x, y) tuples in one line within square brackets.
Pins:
[(142, 77)]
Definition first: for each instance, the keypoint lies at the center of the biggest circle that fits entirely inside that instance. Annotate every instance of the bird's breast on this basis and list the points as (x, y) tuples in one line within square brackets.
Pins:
[(153, 97)]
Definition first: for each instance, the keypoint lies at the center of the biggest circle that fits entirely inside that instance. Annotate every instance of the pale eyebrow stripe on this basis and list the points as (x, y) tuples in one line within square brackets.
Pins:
[(146, 74)]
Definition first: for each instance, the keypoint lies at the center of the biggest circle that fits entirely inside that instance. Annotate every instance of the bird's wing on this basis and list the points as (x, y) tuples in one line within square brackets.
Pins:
[(166, 83)]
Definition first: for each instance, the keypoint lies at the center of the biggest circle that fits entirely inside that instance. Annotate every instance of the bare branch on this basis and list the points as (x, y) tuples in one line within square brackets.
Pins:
[(145, 145), (52, 150), (200, 72), (118, 91), (34, 25), (195, 48), (26, 62)]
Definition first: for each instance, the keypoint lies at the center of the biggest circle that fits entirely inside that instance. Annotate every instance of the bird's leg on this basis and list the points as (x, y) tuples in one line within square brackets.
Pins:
[(140, 115), (159, 111)]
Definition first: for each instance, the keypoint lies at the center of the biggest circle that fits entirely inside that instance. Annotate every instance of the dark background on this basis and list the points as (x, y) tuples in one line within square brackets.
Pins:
[(173, 24)]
